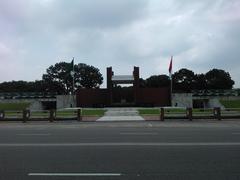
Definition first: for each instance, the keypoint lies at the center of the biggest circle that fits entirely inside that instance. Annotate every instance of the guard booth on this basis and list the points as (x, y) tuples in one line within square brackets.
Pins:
[(123, 95)]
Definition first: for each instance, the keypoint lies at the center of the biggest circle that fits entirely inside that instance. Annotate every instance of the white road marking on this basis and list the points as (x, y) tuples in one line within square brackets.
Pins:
[(34, 134), (138, 133), (74, 174), (119, 144)]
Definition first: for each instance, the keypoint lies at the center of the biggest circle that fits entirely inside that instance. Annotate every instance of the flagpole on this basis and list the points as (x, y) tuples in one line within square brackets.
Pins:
[(171, 89), (170, 76), (73, 82)]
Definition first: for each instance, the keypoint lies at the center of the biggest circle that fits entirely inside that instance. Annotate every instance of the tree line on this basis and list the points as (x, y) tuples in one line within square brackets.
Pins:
[(186, 80), (59, 79)]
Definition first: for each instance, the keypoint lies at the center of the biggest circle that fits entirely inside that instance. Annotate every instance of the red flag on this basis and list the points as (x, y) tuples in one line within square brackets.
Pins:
[(170, 66)]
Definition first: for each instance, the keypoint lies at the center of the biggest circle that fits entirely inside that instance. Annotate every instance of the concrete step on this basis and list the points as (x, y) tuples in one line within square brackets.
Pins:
[(121, 118), (122, 109), (121, 113)]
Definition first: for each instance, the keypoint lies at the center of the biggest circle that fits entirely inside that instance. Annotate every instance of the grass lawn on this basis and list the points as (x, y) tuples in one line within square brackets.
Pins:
[(70, 113), (149, 111), (153, 111), (85, 112), (14, 106), (231, 103), (93, 112)]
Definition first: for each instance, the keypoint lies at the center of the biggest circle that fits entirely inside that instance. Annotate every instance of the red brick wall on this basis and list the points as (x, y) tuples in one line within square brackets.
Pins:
[(92, 97), (145, 96), (153, 96)]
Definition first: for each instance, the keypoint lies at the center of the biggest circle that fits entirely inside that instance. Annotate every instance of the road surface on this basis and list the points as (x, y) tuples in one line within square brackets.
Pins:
[(120, 150)]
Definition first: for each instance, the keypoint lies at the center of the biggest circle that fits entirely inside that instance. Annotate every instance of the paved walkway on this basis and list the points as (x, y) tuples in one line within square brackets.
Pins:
[(121, 114)]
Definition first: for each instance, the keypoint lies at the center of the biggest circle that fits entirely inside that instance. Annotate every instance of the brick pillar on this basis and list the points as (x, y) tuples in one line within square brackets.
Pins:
[(109, 83), (136, 83)]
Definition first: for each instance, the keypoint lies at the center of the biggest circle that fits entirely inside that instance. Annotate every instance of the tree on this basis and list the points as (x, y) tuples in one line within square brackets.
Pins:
[(88, 76), (158, 81), (142, 83), (49, 86), (183, 80), (200, 82), (18, 86), (218, 79), (59, 76)]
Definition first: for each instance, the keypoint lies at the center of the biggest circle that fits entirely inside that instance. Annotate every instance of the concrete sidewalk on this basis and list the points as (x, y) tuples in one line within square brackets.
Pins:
[(121, 114)]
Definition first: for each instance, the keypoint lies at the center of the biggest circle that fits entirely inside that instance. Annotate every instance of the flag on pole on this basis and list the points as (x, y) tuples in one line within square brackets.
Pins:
[(170, 67), (72, 68)]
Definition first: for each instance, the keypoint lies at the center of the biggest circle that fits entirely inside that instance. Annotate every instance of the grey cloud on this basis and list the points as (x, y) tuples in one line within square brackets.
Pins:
[(64, 14), (199, 34)]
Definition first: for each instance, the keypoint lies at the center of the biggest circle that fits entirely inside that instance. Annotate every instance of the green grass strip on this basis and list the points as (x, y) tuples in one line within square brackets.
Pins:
[(14, 106), (154, 111), (149, 111), (93, 112), (231, 103)]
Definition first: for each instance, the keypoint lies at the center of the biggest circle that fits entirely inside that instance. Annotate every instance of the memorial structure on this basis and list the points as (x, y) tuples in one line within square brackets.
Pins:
[(117, 96)]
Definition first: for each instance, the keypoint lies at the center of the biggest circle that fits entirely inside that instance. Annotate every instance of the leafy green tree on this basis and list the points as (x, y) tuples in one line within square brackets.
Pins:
[(87, 76), (218, 79), (142, 83), (199, 82), (59, 76), (17, 86), (158, 81), (183, 80)]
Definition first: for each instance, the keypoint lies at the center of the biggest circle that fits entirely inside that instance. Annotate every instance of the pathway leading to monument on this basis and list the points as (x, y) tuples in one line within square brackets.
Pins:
[(121, 114)]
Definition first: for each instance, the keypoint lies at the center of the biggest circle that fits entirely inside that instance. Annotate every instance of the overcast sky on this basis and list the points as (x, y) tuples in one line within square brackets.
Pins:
[(201, 35)]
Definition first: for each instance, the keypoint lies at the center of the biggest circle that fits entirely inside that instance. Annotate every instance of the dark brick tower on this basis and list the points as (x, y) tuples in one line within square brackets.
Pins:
[(109, 83)]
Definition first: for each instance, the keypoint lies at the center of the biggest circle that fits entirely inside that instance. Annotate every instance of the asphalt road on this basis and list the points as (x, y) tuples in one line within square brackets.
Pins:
[(129, 150)]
